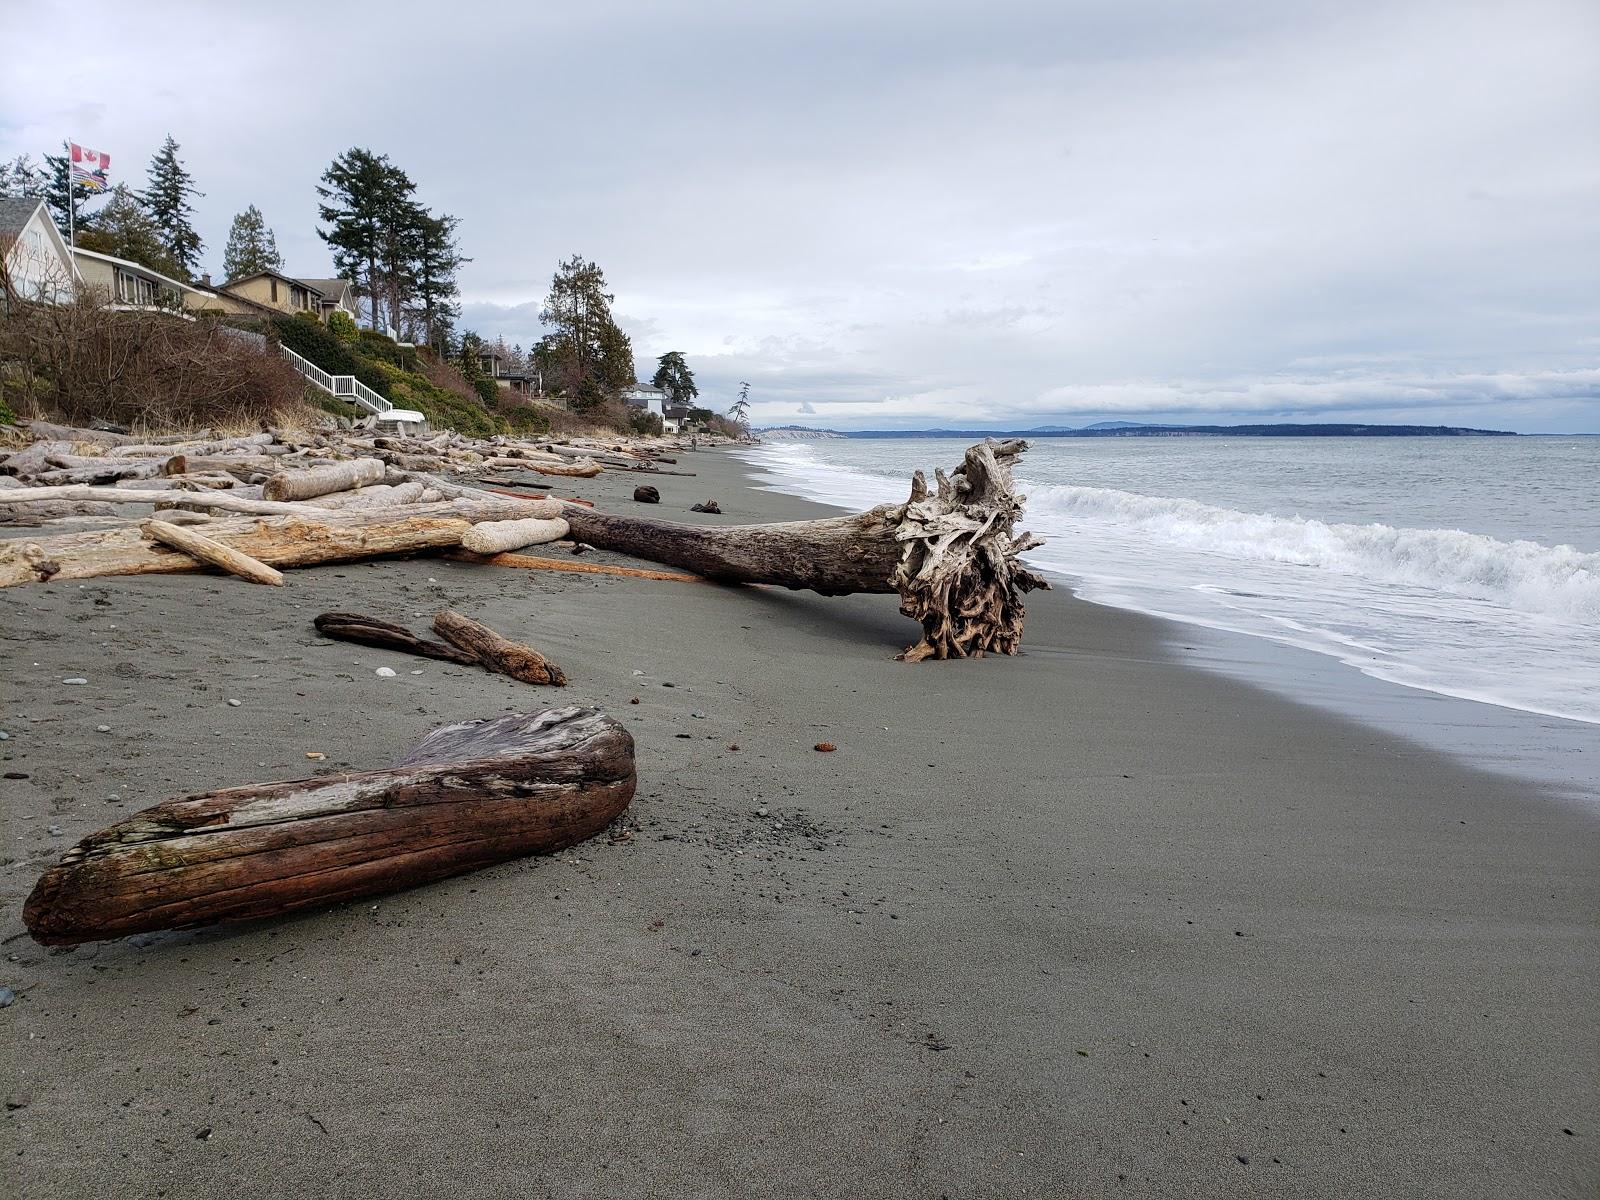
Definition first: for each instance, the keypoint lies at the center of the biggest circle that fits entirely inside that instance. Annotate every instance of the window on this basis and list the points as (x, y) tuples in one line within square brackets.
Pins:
[(274, 291)]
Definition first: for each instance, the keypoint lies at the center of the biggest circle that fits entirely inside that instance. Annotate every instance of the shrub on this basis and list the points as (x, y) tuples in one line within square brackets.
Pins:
[(643, 421), (523, 421), (7, 417), (84, 362), (313, 340), (488, 390), (343, 326)]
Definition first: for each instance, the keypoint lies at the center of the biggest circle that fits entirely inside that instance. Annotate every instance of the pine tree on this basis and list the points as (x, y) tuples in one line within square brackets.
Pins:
[(435, 291), (358, 193), (590, 355), (64, 200), (674, 377), (124, 229), (252, 246), (23, 177), (167, 201), (740, 409)]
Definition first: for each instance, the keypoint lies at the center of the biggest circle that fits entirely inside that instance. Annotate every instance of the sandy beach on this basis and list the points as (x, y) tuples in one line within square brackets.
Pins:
[(1087, 922)]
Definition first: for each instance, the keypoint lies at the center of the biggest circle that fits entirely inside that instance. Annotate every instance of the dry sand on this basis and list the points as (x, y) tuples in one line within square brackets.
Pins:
[(1083, 923)]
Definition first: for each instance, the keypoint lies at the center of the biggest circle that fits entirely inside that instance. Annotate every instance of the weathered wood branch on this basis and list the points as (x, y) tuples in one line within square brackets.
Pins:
[(370, 631), (952, 556), (467, 796), (497, 653)]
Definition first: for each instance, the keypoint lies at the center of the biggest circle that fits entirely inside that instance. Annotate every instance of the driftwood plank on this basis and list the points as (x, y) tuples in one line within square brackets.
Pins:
[(468, 795)]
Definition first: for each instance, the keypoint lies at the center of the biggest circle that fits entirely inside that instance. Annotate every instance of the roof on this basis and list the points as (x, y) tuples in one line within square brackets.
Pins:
[(271, 275), (15, 214), (647, 388), (80, 252), (331, 289)]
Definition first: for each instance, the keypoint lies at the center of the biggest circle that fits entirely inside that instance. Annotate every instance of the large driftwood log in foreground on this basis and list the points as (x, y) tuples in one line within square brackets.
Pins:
[(951, 555), (467, 796), (320, 481), (289, 541)]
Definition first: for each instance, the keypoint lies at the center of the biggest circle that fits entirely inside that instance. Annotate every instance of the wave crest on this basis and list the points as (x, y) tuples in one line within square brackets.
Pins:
[(1557, 582)]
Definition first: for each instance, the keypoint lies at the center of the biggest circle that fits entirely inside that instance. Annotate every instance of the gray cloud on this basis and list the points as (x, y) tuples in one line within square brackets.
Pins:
[(906, 213)]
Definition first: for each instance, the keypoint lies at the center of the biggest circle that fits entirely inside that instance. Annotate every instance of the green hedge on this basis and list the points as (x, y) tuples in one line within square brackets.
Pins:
[(314, 341)]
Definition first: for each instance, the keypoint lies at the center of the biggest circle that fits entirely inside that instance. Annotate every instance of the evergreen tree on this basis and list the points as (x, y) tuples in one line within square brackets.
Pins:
[(740, 410), (167, 201), (252, 246), (65, 199), (359, 197), (124, 229), (23, 177), (674, 378), (588, 354), (434, 299)]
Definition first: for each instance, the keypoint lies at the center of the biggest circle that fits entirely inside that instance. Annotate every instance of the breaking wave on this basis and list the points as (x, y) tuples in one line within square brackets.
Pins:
[(1558, 582)]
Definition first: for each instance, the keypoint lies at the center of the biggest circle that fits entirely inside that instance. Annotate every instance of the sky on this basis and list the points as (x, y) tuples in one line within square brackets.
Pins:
[(907, 215)]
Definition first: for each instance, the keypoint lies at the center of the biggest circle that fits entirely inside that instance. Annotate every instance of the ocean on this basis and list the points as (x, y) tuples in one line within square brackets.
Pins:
[(1467, 567)]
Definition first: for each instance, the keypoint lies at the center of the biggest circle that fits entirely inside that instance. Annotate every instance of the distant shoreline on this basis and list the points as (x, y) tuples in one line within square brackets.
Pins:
[(1148, 431)]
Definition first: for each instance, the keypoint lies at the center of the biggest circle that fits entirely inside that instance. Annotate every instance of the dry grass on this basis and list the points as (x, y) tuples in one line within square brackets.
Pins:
[(155, 371)]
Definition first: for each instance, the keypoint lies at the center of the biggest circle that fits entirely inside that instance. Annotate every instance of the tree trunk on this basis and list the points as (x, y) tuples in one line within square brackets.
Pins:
[(951, 556), (370, 631), (493, 537), (467, 796), (321, 481), (289, 541)]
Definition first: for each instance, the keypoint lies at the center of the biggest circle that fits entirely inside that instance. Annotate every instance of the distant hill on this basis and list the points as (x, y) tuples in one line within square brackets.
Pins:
[(1133, 429)]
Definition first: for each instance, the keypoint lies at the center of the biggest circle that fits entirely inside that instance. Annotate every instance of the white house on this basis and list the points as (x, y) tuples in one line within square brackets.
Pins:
[(38, 263), (647, 397)]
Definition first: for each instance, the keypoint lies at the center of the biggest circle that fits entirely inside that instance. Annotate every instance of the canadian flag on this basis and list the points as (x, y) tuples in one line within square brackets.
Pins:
[(90, 168)]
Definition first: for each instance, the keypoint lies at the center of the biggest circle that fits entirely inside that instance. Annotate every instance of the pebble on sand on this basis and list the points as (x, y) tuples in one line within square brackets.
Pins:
[(77, 680), (384, 672)]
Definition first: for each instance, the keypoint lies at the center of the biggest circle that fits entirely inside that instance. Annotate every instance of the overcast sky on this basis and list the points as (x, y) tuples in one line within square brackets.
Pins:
[(906, 214)]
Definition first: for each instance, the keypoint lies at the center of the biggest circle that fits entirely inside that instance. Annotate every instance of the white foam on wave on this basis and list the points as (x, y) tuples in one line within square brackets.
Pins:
[(1512, 623), (1560, 582)]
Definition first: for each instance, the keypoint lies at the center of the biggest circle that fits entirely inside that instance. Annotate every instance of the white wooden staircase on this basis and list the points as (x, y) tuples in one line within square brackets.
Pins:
[(358, 394)]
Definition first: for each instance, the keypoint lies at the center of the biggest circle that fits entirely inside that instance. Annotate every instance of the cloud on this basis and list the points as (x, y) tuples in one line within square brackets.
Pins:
[(923, 212)]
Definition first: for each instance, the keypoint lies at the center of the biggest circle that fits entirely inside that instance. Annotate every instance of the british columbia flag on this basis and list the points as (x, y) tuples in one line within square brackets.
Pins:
[(90, 168)]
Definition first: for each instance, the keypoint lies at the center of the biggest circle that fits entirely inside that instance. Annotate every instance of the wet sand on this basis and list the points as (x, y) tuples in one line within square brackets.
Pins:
[(1088, 922)]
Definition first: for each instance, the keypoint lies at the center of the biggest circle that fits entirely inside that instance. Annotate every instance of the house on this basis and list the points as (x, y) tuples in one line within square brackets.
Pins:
[(675, 418), (38, 263), (526, 384), (646, 396), (338, 295), (124, 284), (277, 292)]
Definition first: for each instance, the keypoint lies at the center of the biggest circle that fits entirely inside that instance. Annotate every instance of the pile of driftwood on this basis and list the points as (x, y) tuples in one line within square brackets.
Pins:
[(255, 504), (250, 505)]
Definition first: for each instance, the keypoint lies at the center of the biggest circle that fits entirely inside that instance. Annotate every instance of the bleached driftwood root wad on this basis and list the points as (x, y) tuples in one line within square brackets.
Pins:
[(466, 796), (952, 554)]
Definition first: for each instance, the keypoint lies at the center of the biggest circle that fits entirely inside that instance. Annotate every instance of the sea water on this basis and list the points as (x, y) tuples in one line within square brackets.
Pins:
[(1468, 567)]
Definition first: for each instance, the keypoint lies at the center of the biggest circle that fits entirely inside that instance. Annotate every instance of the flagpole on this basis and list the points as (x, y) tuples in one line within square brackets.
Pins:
[(72, 209)]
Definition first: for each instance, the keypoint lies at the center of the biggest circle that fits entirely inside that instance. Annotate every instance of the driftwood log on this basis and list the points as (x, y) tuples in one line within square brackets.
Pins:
[(370, 631), (293, 541), (206, 550), (497, 653), (466, 796), (950, 554)]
